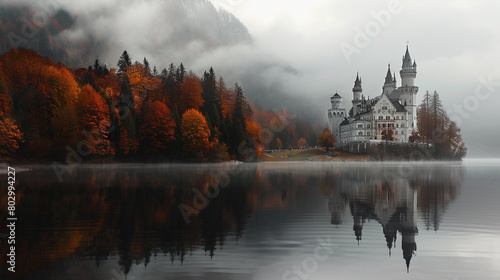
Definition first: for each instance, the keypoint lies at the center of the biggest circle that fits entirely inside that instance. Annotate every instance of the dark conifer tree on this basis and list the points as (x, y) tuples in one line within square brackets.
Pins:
[(123, 63), (180, 74), (238, 122), (212, 105), (146, 66)]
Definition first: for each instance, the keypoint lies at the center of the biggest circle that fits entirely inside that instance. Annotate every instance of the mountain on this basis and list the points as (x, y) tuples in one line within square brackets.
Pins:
[(219, 25), (77, 39)]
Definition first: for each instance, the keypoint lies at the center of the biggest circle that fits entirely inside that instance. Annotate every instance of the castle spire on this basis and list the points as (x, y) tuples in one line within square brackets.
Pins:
[(357, 83), (407, 59), (388, 77)]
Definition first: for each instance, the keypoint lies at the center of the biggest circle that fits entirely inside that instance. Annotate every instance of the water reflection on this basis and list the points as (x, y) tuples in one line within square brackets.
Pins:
[(131, 213), (392, 197)]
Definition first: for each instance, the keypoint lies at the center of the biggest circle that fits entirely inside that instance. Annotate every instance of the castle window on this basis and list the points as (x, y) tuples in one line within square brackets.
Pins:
[(384, 107), (368, 133), (360, 133), (397, 117), (360, 126), (368, 125), (402, 125), (380, 117), (387, 117), (397, 125)]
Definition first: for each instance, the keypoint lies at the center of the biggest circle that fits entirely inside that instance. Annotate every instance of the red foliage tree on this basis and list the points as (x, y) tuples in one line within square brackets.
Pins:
[(95, 120), (190, 93), (158, 127)]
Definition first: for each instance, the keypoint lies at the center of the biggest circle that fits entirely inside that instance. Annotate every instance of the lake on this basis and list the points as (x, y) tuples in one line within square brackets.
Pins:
[(297, 220)]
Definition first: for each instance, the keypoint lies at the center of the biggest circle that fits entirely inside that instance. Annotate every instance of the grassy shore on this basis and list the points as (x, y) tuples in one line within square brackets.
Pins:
[(314, 154)]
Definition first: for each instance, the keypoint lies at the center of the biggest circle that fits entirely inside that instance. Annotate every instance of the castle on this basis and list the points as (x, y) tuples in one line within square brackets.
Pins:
[(390, 116)]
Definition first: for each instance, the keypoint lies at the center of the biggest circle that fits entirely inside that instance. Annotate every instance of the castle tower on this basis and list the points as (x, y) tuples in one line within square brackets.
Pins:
[(408, 70), (336, 115), (409, 227), (408, 91), (356, 95), (390, 82)]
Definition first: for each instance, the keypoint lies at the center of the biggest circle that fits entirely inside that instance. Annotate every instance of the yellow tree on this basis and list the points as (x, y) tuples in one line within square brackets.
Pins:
[(195, 133), (279, 143)]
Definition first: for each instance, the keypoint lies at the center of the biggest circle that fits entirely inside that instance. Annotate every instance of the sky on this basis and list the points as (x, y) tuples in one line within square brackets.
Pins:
[(312, 49)]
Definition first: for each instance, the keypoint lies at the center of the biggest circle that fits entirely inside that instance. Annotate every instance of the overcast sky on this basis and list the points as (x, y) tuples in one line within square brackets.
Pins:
[(455, 44), (315, 48)]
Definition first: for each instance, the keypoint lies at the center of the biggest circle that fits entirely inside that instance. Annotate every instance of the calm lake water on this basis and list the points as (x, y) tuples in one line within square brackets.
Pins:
[(258, 221)]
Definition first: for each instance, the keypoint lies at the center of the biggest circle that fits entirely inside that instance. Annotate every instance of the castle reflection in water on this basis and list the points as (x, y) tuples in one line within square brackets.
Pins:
[(129, 215), (394, 200)]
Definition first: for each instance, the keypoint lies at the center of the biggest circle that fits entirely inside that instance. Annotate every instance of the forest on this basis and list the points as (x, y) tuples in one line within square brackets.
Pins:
[(132, 112)]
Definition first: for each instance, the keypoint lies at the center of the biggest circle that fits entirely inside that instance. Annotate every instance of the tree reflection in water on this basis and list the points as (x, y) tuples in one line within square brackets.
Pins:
[(130, 212)]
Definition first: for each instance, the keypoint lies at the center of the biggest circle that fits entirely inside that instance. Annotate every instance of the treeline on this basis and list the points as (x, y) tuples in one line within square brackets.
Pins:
[(134, 111), (437, 129)]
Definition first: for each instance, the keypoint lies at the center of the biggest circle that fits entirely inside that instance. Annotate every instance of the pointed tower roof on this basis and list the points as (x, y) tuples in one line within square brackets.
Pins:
[(388, 77), (358, 80), (357, 84), (407, 59)]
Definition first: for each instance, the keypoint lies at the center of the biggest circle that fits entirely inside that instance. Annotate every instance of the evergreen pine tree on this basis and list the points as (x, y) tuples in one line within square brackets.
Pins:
[(123, 63), (146, 66), (211, 106)]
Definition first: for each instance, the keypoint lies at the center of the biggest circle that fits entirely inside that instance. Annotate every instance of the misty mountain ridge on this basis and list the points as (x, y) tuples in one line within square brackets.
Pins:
[(77, 41), (219, 24)]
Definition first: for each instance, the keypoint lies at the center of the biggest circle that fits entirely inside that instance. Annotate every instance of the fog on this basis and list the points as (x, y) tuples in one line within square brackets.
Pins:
[(309, 50)]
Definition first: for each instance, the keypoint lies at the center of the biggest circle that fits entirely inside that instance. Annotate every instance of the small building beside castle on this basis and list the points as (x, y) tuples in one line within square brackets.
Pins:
[(391, 115)]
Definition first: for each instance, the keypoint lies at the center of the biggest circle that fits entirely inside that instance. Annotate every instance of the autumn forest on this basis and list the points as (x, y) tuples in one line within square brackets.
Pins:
[(132, 112)]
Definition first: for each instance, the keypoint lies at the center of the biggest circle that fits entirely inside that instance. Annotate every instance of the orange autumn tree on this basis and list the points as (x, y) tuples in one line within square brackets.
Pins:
[(44, 96), (158, 127), (255, 132), (5, 97), (95, 120), (195, 133), (326, 139), (302, 142), (10, 139), (190, 93), (10, 135)]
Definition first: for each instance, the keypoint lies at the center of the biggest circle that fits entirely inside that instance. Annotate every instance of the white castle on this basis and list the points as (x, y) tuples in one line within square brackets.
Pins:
[(395, 110)]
